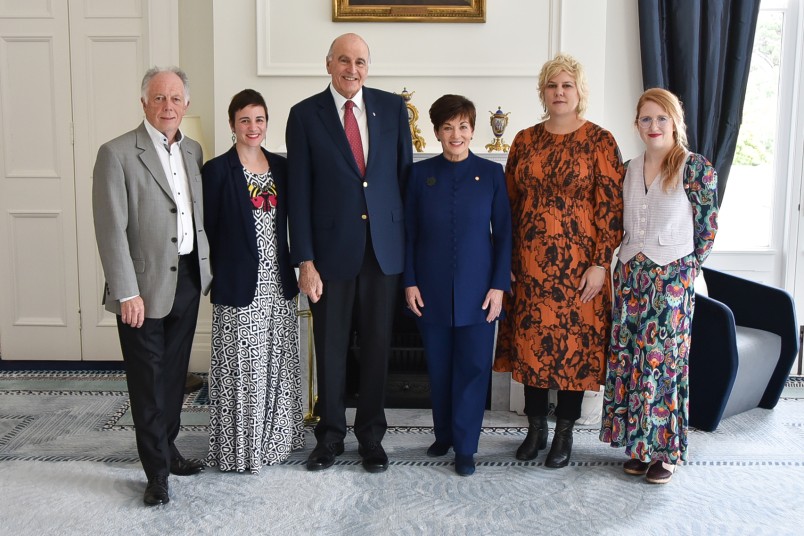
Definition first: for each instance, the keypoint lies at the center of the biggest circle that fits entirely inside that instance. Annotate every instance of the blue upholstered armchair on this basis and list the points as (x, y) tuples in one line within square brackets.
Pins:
[(744, 343)]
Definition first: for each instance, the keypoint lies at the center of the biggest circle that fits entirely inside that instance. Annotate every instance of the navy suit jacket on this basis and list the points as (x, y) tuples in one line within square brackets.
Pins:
[(229, 221), (458, 237), (329, 202)]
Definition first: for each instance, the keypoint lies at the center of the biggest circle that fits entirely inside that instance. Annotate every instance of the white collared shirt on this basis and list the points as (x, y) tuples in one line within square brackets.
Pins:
[(360, 115), (173, 165)]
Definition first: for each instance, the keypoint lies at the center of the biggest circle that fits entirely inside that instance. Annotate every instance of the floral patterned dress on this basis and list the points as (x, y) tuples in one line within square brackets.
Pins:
[(566, 205), (255, 374), (645, 403)]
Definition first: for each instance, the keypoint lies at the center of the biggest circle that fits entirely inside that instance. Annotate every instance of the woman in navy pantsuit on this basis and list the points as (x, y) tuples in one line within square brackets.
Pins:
[(457, 266)]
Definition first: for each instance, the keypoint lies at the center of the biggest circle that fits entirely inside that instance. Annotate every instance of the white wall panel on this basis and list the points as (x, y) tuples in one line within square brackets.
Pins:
[(29, 130), (38, 268), (28, 9), (119, 9), (285, 47), (121, 56)]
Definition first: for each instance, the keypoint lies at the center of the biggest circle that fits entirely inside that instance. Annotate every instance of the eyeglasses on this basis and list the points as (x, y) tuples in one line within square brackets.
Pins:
[(646, 122)]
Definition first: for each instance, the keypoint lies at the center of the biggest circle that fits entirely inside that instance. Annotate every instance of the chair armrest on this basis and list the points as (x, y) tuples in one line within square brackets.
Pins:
[(712, 362), (759, 306)]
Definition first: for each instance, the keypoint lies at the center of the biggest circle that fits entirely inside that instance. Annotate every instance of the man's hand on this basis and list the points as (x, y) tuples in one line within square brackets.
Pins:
[(133, 312), (310, 281)]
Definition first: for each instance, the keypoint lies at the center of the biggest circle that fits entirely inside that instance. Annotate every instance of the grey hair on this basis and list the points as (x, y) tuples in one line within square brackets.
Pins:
[(332, 46), (153, 71)]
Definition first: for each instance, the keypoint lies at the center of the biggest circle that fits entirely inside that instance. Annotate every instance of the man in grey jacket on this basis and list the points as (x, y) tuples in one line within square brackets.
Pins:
[(149, 225)]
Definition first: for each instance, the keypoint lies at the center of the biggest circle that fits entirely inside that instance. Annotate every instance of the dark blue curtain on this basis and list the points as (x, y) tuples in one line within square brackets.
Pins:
[(701, 51)]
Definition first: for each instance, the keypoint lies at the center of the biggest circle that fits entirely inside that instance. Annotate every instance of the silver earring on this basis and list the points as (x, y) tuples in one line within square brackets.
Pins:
[(234, 138)]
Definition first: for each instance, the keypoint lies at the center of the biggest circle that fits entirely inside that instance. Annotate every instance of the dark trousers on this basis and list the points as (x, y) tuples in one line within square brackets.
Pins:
[(375, 296), (537, 404), (459, 365), (156, 357)]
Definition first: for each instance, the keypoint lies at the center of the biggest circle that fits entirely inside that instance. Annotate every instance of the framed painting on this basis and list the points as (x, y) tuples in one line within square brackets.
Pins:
[(409, 11)]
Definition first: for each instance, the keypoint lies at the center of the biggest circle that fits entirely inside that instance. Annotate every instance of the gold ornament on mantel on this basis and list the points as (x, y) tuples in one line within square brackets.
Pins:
[(499, 121), (413, 116)]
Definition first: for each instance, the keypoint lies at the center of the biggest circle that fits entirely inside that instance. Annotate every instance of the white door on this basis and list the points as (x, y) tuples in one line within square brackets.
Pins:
[(70, 72), (107, 60), (39, 313)]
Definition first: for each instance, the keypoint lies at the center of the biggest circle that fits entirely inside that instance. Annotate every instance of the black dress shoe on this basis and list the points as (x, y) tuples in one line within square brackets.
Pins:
[(156, 492), (182, 467), (375, 460), (323, 455), (438, 449)]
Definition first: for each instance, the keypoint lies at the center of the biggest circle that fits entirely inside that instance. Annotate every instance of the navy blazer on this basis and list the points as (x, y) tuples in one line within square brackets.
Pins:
[(329, 202), (229, 221), (458, 237)]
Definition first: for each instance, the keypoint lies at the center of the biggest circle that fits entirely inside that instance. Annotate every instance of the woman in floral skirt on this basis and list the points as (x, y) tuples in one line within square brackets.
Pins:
[(670, 221)]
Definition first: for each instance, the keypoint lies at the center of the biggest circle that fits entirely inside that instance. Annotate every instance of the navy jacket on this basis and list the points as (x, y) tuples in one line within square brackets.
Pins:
[(458, 237), (229, 221), (330, 204)]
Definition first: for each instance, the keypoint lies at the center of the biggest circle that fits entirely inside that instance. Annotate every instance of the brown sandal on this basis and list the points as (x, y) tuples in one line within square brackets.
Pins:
[(635, 467), (660, 473)]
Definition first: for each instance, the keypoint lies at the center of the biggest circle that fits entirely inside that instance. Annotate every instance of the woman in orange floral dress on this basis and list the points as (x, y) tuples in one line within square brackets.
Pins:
[(564, 178)]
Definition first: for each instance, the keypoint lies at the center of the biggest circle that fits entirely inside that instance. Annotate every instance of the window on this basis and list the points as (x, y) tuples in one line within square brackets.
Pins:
[(759, 169)]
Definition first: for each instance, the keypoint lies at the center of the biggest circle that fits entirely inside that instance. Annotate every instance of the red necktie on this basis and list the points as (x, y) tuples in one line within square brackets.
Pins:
[(353, 135)]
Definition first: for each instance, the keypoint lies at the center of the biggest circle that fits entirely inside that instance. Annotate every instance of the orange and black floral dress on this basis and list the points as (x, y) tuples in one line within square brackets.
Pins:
[(566, 205)]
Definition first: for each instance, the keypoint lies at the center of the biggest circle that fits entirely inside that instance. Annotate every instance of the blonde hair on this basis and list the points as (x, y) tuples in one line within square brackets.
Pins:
[(564, 62), (675, 159)]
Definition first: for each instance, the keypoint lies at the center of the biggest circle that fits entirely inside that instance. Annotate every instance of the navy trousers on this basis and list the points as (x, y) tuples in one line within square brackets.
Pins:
[(459, 365), (374, 294)]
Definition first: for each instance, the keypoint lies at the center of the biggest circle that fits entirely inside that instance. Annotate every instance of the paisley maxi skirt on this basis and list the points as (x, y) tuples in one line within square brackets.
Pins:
[(645, 404)]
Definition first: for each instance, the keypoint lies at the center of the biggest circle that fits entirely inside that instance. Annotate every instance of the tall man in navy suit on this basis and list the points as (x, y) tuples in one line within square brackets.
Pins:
[(349, 155)]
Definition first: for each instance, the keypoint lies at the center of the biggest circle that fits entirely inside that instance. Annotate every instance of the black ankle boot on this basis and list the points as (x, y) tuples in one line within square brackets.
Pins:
[(561, 449), (535, 440)]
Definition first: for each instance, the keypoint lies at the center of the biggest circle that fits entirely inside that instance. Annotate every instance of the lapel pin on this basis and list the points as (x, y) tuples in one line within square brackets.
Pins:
[(431, 181), (477, 178)]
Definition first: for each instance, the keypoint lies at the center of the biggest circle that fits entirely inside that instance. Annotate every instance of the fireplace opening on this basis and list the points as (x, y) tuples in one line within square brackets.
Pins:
[(408, 383)]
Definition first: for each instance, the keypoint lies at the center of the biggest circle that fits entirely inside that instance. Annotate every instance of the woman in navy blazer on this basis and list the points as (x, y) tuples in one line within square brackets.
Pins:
[(255, 378), (457, 267)]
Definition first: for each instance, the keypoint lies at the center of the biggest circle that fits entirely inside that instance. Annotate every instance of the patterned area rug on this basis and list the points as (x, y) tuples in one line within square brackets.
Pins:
[(85, 416), (745, 478)]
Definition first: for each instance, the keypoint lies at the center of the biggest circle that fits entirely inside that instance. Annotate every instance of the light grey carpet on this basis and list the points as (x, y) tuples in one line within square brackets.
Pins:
[(745, 478)]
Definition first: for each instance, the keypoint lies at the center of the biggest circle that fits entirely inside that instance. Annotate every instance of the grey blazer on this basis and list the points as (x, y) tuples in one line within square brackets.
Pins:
[(135, 221)]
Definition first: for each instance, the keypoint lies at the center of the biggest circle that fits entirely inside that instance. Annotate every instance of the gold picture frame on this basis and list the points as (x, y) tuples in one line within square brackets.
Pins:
[(409, 11)]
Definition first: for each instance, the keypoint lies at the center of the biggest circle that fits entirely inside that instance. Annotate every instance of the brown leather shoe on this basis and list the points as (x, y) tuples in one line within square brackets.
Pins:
[(660, 473), (635, 467)]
